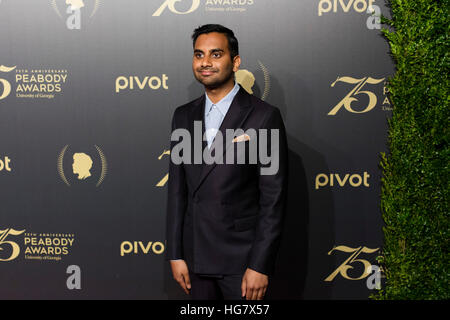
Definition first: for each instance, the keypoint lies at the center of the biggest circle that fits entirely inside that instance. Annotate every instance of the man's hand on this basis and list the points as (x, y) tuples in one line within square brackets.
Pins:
[(181, 274), (254, 285)]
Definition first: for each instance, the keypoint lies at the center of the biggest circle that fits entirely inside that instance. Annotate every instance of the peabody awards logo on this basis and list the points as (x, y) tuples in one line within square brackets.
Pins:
[(73, 11), (189, 6), (357, 94), (84, 167), (32, 83), (35, 245)]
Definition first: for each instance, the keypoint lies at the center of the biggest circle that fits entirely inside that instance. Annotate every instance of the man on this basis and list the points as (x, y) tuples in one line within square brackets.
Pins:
[(224, 220)]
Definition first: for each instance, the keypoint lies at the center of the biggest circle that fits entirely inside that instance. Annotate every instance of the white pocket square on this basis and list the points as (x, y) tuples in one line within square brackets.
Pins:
[(242, 137)]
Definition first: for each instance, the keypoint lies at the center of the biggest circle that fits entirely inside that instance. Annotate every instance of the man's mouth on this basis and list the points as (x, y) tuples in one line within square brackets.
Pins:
[(206, 72)]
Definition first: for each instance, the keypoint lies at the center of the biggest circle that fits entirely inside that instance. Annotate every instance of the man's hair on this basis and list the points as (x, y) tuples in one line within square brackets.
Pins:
[(233, 45)]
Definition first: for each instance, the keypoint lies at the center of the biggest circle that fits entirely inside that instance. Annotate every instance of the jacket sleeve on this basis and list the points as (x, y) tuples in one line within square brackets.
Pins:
[(272, 201), (176, 205)]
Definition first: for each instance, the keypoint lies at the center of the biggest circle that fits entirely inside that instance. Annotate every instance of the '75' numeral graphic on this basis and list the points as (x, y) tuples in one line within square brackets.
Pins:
[(15, 247), (350, 97), (6, 85), (163, 181), (343, 268)]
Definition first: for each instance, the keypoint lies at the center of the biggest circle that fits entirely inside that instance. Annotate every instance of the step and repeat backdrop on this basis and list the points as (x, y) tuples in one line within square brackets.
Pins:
[(87, 93)]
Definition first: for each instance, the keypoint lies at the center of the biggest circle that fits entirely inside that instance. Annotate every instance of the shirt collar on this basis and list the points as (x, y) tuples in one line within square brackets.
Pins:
[(224, 104)]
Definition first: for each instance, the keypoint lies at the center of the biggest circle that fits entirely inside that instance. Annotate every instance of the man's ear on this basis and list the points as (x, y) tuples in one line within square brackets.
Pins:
[(236, 63)]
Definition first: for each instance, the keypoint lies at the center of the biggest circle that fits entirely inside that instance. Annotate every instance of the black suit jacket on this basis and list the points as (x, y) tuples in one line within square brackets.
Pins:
[(224, 218)]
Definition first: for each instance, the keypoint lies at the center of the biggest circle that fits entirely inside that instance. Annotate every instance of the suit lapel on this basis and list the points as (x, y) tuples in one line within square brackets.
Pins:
[(236, 115), (197, 114)]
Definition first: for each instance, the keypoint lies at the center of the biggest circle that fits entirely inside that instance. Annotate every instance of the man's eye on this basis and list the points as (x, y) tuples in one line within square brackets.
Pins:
[(198, 55), (216, 55)]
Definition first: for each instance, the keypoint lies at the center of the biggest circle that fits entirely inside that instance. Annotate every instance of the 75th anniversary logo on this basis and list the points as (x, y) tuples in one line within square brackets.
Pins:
[(32, 82), (34, 245)]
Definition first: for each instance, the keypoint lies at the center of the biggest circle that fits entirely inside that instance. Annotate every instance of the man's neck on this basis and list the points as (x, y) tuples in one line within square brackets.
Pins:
[(217, 94)]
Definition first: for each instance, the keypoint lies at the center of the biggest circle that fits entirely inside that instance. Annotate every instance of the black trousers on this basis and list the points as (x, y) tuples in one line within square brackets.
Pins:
[(216, 287)]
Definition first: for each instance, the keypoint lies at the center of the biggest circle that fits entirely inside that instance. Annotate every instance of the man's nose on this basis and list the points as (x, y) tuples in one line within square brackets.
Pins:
[(206, 62)]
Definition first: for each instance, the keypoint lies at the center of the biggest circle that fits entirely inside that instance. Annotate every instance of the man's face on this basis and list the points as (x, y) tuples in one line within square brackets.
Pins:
[(212, 63)]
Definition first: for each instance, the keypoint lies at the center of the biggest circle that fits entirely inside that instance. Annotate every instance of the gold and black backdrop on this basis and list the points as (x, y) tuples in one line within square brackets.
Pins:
[(87, 92)]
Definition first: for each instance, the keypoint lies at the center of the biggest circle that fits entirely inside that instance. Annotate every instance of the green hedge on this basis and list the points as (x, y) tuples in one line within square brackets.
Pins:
[(415, 182)]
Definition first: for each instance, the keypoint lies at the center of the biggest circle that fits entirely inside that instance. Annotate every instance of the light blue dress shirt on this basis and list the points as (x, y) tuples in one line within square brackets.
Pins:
[(214, 113)]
